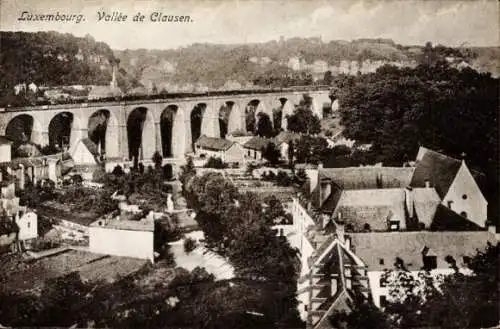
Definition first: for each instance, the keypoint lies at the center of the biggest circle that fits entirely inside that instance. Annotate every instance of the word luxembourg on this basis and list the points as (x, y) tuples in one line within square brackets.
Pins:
[(54, 17), (156, 16)]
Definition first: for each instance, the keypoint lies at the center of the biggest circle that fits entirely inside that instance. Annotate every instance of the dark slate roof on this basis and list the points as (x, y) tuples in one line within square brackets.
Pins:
[(257, 143), (358, 178), (91, 146), (211, 143), (439, 169), (376, 246), (446, 219)]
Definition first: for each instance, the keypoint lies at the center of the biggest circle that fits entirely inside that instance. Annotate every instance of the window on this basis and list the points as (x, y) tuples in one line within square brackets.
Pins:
[(430, 262), (464, 196), (449, 204), (305, 308), (381, 261), (394, 225), (463, 214), (29, 224), (382, 282), (249, 153)]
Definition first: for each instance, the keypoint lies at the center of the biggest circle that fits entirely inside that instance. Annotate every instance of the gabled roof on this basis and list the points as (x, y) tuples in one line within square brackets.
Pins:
[(446, 219), (373, 207), (356, 178), (379, 250), (439, 169), (211, 143), (257, 143)]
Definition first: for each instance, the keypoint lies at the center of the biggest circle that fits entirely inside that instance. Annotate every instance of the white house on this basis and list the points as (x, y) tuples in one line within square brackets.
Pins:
[(455, 183), (28, 225), (126, 238), (254, 147), (228, 151)]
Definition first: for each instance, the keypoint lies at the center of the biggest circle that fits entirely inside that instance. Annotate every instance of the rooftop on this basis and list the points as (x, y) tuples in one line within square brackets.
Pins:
[(212, 143), (379, 250), (257, 143), (127, 225), (356, 178)]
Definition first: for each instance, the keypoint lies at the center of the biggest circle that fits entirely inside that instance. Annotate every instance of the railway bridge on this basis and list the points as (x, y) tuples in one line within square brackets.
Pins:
[(138, 128)]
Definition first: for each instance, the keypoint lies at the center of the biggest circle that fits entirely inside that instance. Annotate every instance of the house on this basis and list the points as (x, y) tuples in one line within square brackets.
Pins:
[(85, 152), (456, 184), (283, 140), (228, 151), (119, 237), (28, 224), (255, 146), (415, 252)]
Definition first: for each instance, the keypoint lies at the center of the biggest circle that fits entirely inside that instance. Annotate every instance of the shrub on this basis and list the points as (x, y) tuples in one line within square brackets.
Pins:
[(215, 163), (189, 245)]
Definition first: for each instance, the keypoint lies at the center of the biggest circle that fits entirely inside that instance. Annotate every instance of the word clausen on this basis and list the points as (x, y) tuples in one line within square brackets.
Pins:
[(156, 16), (54, 17)]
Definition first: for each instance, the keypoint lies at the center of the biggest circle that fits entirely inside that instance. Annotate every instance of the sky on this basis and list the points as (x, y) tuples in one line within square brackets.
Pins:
[(449, 22)]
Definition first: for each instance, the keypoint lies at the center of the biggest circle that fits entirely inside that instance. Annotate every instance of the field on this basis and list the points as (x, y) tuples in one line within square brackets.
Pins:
[(20, 274)]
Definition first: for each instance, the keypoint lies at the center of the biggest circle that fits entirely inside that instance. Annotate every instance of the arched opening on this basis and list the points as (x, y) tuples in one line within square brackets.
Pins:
[(141, 134), (278, 114), (60, 130), (250, 115), (167, 120), (97, 127), (196, 120), (224, 112), (20, 128)]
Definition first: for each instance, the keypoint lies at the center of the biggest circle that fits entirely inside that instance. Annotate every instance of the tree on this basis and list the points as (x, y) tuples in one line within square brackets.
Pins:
[(264, 125), (118, 171), (303, 120), (311, 149), (271, 153), (157, 160), (328, 78), (291, 155), (187, 172)]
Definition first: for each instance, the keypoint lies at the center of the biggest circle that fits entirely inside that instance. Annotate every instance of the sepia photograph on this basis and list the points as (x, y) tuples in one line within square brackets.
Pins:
[(261, 164)]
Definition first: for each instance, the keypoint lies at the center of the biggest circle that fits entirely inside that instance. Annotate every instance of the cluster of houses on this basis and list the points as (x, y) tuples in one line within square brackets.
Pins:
[(237, 150), (360, 222), (18, 224)]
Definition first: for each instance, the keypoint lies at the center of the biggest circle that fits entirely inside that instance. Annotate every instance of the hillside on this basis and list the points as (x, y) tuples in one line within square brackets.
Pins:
[(52, 59)]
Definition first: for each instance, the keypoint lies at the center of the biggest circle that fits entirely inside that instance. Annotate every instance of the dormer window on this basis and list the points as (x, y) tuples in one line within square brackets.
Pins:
[(394, 225)]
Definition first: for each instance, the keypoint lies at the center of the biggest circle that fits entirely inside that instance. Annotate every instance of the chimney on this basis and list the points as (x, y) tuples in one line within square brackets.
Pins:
[(409, 201), (427, 183)]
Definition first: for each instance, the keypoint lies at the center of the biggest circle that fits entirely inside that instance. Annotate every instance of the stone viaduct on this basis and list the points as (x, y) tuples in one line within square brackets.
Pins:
[(118, 113)]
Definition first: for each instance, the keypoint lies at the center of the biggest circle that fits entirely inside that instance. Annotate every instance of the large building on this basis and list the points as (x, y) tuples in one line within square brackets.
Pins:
[(228, 151)]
